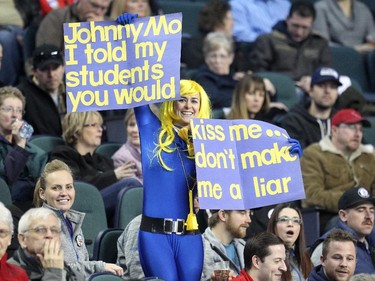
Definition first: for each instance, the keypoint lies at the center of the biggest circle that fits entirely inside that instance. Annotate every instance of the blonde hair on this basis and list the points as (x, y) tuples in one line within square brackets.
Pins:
[(167, 117), (11, 92), (118, 8), (74, 122), (247, 83), (49, 168)]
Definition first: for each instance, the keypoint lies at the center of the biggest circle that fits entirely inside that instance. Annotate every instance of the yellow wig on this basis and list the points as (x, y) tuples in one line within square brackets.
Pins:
[(168, 117)]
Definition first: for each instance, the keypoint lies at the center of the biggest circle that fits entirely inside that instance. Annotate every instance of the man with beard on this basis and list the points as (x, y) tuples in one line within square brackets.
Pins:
[(337, 164), (310, 122), (338, 258), (356, 216), (223, 240)]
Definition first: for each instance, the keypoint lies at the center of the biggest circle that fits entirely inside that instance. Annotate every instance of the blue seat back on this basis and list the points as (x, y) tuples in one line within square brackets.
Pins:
[(129, 205)]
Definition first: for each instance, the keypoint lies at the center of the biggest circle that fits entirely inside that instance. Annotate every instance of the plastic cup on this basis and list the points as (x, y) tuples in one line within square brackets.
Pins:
[(221, 271)]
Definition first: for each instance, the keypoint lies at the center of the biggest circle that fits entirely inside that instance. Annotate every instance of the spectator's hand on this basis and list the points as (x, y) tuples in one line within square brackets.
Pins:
[(94, 17), (296, 147), (16, 125), (304, 83), (238, 75), (279, 105), (53, 256), (126, 170), (113, 268), (365, 48), (126, 18), (270, 88)]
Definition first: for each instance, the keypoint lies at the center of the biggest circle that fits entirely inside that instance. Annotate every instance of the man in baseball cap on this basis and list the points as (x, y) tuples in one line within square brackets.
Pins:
[(309, 122), (45, 91), (349, 116), (356, 216)]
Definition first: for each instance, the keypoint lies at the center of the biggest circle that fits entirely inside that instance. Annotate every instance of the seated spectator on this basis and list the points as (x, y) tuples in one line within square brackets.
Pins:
[(21, 162), (45, 91), (292, 48), (251, 100), (143, 8), (223, 240), (347, 23), (130, 152), (216, 77), (338, 258), (215, 16), (50, 30), (253, 18), (41, 254), (127, 250), (337, 163), (264, 257), (82, 132), (55, 191), (356, 216), (286, 222), (8, 271), (310, 122)]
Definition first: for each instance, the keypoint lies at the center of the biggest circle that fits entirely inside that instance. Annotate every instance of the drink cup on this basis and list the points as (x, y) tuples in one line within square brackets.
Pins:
[(221, 271)]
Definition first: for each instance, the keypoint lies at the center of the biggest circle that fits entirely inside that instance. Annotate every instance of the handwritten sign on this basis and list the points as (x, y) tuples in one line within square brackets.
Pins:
[(244, 164), (113, 66)]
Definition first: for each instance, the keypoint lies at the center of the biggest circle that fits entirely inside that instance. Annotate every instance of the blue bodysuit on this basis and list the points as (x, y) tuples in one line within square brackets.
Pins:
[(171, 257)]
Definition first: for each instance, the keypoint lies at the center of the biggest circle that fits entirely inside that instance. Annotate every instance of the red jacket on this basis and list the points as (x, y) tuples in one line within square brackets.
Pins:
[(243, 276), (10, 272)]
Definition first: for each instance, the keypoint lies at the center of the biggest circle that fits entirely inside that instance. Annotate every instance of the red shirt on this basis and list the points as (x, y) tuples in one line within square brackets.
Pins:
[(11, 272), (243, 276)]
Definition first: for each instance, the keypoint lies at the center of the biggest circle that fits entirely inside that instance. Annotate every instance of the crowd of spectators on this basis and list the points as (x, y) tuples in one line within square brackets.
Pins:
[(292, 38)]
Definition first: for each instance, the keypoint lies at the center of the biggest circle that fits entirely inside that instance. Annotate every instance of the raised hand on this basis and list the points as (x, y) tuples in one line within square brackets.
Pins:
[(296, 147), (126, 18), (53, 256)]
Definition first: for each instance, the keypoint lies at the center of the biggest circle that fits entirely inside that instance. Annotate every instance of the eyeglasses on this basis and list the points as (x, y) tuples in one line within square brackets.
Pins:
[(43, 230), (4, 233), (11, 109), (285, 219), (94, 125)]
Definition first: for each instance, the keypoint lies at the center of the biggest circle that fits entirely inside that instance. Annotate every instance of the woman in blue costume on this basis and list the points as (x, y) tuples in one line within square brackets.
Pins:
[(168, 247)]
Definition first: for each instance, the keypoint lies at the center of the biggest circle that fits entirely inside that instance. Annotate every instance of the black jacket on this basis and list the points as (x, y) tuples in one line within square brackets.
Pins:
[(41, 111)]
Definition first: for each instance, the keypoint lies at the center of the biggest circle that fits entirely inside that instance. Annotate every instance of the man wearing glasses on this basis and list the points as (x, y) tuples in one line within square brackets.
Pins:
[(45, 91), (337, 163), (50, 30), (356, 216), (40, 254)]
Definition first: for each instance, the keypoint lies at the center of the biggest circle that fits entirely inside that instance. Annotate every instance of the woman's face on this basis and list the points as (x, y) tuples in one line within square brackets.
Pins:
[(59, 192), (91, 134), (219, 61), (186, 108), (5, 238), (254, 101), (132, 130), (287, 229), (140, 7), (10, 110)]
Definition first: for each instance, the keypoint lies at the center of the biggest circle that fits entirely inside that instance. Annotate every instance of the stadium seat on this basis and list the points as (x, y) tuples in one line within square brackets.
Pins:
[(105, 245), (129, 205), (46, 142), (369, 133), (104, 276), (5, 195), (108, 149), (89, 201)]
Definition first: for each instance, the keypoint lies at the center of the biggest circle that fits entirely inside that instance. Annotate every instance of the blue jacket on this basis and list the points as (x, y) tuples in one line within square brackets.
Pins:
[(317, 274), (364, 261)]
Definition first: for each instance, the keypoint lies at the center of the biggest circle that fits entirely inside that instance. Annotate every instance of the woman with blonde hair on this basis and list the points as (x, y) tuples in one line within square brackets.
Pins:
[(143, 8), (55, 191), (82, 133), (168, 228)]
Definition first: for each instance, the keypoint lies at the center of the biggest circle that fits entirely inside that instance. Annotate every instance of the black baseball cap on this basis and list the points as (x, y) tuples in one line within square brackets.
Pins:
[(47, 54), (354, 197)]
